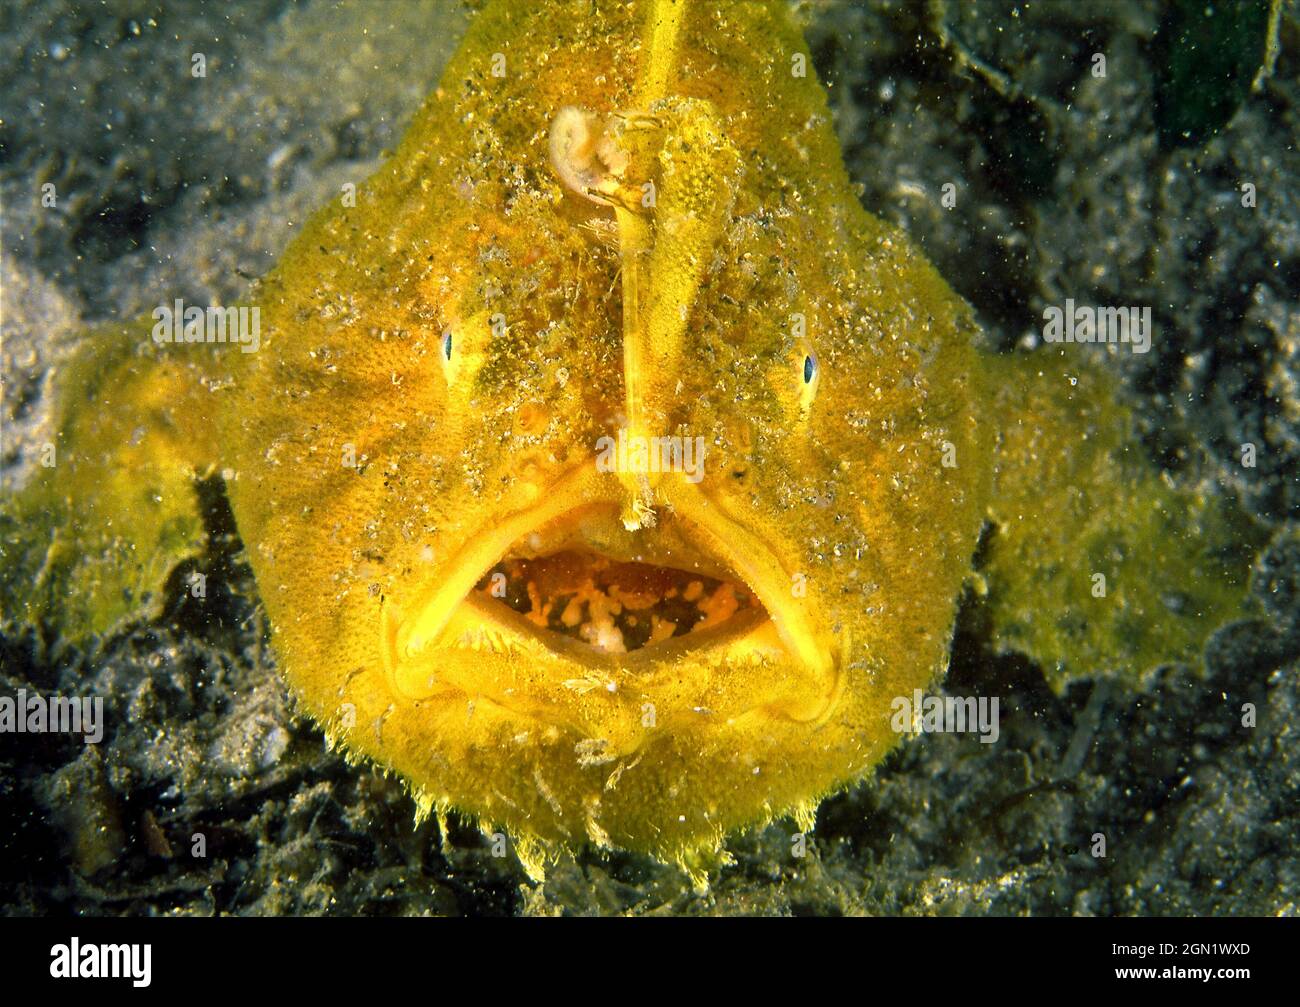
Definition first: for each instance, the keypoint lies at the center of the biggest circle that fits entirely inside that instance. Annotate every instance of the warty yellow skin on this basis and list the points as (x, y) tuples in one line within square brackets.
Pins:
[(671, 750), (439, 361)]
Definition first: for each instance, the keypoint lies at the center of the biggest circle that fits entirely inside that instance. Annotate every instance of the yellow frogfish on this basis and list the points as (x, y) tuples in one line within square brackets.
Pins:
[(606, 470)]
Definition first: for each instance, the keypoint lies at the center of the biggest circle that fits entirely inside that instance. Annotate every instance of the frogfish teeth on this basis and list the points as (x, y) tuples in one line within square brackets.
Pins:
[(606, 470)]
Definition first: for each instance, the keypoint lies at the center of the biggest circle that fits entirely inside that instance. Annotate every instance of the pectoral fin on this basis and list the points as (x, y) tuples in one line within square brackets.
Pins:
[(1098, 562), (111, 508)]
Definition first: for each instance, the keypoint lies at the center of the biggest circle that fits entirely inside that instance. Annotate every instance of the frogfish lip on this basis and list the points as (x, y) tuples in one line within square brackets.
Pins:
[(491, 611)]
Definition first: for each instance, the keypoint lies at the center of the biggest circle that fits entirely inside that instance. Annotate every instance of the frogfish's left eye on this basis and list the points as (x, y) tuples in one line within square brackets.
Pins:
[(809, 369), (446, 345)]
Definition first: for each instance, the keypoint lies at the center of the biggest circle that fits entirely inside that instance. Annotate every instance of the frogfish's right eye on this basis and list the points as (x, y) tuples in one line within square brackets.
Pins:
[(446, 345), (811, 378)]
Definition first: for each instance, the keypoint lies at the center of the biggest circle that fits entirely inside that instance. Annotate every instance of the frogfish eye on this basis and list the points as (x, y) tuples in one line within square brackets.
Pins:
[(809, 369), (446, 345)]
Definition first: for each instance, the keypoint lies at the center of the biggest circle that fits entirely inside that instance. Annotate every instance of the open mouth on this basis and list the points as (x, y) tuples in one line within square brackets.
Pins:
[(611, 605), (563, 584)]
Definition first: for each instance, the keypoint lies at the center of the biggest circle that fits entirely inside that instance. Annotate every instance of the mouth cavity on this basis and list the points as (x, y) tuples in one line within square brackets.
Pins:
[(614, 606), (568, 576)]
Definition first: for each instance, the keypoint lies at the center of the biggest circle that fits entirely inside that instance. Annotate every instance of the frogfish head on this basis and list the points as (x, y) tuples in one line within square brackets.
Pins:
[(647, 520)]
